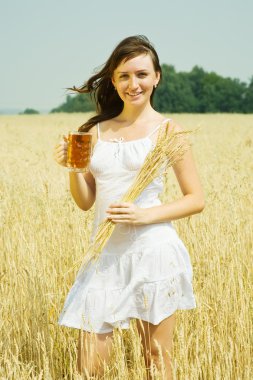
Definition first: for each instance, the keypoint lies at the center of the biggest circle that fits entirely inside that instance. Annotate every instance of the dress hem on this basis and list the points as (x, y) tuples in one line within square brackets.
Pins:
[(152, 321)]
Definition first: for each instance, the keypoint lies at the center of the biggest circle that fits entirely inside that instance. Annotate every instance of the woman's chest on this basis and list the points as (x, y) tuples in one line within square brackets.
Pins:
[(128, 156)]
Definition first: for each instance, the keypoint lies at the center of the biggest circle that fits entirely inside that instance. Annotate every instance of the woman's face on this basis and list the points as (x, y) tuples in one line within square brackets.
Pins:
[(135, 79)]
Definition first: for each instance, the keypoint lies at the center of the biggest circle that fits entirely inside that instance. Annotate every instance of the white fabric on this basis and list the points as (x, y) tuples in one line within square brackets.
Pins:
[(144, 271)]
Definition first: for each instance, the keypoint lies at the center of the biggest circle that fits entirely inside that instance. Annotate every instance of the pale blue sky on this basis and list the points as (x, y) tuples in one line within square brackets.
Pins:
[(48, 45)]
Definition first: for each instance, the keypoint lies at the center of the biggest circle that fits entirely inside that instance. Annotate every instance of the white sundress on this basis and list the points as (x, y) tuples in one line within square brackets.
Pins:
[(144, 271)]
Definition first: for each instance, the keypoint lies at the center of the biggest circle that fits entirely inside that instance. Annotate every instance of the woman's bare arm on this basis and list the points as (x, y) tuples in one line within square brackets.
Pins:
[(83, 189), (192, 201), (82, 185)]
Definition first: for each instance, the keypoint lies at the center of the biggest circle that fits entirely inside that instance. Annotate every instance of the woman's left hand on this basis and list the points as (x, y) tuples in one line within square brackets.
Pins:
[(125, 212)]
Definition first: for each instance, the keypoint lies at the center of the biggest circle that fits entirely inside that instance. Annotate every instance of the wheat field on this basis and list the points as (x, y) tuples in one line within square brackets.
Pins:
[(44, 235)]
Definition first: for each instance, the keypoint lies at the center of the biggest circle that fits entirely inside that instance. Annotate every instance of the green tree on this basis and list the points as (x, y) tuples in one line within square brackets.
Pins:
[(174, 93), (76, 103), (248, 98), (221, 94), (29, 111)]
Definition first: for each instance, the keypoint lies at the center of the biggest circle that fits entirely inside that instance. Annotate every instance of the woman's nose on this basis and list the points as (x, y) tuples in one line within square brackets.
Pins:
[(133, 83)]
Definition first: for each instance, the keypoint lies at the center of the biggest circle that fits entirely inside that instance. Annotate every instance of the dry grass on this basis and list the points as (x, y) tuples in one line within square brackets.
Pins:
[(44, 234)]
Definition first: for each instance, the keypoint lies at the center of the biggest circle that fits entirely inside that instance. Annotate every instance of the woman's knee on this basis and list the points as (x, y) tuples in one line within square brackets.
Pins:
[(86, 352), (93, 350)]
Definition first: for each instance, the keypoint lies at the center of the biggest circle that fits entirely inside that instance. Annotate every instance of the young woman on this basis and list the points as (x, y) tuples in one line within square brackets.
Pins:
[(144, 270)]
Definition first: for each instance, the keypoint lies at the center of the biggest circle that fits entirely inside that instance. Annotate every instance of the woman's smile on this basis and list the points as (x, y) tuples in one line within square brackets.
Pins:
[(134, 95)]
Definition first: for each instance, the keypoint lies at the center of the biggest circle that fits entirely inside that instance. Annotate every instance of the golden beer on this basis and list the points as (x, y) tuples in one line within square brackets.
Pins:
[(79, 151)]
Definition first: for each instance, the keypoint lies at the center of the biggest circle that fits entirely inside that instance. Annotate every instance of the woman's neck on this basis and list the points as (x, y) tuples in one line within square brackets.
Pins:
[(134, 114)]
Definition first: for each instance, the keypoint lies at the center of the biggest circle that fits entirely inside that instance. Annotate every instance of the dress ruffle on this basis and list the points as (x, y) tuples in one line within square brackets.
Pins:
[(151, 285)]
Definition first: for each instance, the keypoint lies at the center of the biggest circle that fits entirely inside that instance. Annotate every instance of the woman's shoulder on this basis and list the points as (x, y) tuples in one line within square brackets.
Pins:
[(94, 131), (175, 126)]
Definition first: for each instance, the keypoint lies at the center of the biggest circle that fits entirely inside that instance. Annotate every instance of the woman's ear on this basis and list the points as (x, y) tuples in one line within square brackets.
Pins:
[(158, 76)]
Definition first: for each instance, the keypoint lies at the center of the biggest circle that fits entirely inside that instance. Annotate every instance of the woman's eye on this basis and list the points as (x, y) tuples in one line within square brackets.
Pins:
[(142, 75), (123, 76)]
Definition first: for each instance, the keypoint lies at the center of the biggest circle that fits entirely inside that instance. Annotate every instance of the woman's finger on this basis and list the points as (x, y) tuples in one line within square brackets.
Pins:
[(60, 156), (61, 146), (58, 149), (121, 204), (119, 210), (126, 220), (121, 216)]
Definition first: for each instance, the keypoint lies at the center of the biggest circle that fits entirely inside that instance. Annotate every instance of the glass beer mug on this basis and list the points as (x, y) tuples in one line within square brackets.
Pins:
[(79, 151)]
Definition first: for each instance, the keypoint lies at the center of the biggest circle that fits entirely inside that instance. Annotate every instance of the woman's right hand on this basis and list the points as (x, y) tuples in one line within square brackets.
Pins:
[(60, 152)]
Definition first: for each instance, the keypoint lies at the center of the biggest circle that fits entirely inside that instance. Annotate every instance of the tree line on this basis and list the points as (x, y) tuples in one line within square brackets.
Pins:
[(196, 91)]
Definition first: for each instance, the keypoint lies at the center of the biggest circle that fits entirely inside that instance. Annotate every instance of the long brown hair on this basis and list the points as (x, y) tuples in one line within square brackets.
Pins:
[(100, 87)]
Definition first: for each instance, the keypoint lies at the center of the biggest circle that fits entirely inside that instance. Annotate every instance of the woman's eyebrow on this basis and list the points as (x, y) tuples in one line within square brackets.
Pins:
[(137, 71)]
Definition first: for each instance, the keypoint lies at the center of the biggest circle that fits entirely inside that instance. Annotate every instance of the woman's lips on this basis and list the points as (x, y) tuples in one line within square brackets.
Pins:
[(135, 94)]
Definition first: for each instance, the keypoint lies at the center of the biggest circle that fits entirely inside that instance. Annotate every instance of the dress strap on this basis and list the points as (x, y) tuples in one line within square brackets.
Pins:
[(98, 131), (156, 128)]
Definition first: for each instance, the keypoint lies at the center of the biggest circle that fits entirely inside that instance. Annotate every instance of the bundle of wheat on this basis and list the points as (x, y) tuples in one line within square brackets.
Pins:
[(170, 147)]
